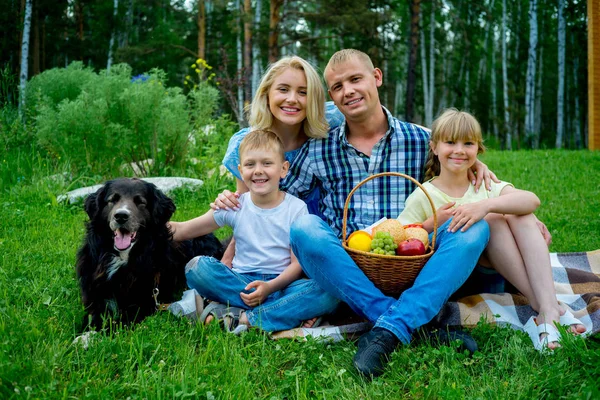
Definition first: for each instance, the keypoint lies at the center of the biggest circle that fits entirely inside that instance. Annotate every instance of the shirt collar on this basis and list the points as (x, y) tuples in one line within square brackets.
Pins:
[(391, 127)]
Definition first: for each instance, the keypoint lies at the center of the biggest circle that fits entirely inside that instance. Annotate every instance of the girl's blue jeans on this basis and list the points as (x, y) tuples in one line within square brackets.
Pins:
[(323, 259), (286, 309)]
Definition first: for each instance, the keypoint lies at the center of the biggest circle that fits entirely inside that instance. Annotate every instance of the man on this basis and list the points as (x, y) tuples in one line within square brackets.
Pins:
[(372, 141)]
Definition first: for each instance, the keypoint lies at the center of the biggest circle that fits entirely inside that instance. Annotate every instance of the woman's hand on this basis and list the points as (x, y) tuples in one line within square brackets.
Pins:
[(257, 297), (226, 200), (479, 173), (467, 214)]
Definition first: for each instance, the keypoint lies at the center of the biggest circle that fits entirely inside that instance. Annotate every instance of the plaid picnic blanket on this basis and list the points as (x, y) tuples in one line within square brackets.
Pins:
[(577, 282)]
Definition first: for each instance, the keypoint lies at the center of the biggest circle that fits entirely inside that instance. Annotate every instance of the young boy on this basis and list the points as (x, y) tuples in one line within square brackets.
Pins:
[(265, 286)]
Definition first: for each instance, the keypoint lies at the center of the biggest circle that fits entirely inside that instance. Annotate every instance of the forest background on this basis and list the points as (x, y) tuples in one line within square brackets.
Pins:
[(519, 65)]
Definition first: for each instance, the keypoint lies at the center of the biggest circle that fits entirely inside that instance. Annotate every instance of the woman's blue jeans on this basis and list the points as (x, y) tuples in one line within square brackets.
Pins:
[(286, 309), (323, 259)]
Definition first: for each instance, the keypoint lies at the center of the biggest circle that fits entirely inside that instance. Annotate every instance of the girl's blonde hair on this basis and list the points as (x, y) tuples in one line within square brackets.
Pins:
[(452, 125), (315, 125)]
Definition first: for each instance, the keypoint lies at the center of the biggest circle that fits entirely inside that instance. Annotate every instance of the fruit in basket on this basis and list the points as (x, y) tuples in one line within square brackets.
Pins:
[(411, 247), (383, 243), (360, 240), (418, 233), (393, 227), (415, 225)]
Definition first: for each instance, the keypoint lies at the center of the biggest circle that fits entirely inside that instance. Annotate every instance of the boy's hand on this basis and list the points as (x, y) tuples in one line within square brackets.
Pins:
[(263, 290), (466, 215)]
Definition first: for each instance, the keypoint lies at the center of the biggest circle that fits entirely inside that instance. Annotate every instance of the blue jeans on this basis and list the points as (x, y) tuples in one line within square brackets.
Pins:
[(285, 309), (323, 258)]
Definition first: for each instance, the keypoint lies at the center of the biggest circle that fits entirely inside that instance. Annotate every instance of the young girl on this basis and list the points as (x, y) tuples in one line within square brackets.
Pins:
[(516, 248)]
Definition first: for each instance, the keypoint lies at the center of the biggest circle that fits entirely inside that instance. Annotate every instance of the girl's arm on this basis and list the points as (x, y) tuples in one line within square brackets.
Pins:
[(193, 228), (263, 289), (511, 201)]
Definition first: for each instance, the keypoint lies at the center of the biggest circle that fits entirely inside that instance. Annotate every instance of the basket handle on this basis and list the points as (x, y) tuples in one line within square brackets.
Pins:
[(345, 218)]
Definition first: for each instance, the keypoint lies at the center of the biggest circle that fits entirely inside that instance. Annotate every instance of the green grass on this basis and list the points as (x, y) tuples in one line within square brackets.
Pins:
[(165, 357)]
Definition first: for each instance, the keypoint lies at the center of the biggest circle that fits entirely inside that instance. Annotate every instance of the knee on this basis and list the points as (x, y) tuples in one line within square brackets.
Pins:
[(520, 220), (477, 235), (199, 265), (306, 229)]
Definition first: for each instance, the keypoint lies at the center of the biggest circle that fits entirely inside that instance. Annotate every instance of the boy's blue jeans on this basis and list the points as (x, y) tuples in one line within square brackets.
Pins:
[(286, 309), (323, 258)]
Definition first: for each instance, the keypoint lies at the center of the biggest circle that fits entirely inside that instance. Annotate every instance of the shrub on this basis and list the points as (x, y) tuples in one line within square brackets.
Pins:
[(115, 120)]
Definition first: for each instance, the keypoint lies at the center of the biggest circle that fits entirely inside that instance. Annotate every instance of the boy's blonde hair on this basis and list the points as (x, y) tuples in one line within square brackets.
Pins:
[(344, 55), (262, 139), (315, 125), (452, 125)]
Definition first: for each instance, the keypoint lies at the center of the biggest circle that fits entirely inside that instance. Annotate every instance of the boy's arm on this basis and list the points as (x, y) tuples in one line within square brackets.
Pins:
[(511, 201), (193, 228), (263, 289)]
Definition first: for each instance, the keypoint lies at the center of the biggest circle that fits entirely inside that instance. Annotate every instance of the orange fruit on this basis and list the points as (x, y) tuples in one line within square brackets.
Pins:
[(360, 240)]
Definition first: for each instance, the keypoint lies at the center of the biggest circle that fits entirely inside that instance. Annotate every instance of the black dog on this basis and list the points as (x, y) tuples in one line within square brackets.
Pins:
[(129, 262)]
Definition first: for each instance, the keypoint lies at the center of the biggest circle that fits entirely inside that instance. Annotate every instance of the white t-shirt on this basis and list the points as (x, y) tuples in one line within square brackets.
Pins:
[(262, 236)]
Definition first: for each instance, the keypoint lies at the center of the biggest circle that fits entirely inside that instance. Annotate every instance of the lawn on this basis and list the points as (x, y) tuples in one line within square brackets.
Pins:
[(165, 357)]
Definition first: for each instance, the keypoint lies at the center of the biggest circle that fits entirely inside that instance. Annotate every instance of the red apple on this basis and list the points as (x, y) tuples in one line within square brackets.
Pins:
[(411, 247)]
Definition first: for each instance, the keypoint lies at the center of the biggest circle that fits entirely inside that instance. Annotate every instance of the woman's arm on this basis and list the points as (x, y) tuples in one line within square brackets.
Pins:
[(193, 228)]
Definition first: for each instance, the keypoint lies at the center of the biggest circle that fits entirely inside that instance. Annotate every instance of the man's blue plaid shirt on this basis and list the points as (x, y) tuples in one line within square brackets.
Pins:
[(336, 167)]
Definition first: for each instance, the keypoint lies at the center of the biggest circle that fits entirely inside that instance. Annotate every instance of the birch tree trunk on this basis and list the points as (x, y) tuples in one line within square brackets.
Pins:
[(531, 69), (560, 101), (508, 137), (424, 73), (415, 6), (240, 65), (247, 51), (494, 113), (256, 64), (431, 64), (113, 34), (24, 58), (577, 116), (538, 102)]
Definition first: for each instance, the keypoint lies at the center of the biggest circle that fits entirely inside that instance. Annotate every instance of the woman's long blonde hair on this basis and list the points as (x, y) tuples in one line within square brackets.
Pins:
[(453, 125), (315, 125)]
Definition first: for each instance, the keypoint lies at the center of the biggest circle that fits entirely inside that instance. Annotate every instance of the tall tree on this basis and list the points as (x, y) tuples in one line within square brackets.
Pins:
[(240, 64), (560, 101), (111, 43), (256, 65), (247, 17), (24, 57), (201, 22), (415, 6), (428, 74), (530, 130), (508, 136), (274, 22)]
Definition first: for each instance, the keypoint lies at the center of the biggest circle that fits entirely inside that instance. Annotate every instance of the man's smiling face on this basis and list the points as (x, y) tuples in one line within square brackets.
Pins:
[(353, 88)]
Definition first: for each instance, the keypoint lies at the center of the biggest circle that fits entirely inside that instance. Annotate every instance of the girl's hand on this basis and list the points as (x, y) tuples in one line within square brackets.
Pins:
[(263, 290), (466, 215), (444, 213), (226, 200)]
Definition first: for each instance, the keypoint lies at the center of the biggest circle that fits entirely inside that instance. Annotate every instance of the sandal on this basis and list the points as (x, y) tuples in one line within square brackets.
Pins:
[(569, 320), (534, 331), (228, 316)]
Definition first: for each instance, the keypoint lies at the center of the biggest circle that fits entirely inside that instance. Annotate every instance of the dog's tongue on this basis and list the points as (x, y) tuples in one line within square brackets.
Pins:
[(123, 240)]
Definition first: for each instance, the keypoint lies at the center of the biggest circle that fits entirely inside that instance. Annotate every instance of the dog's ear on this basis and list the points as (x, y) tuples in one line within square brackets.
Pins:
[(163, 207), (93, 200)]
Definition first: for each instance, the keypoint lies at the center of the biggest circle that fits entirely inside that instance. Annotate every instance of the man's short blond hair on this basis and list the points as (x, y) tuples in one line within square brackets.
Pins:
[(315, 125), (262, 140), (344, 55)]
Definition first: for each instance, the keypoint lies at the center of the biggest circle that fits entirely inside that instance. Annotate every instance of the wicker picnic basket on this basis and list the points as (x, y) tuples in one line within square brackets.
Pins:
[(391, 274)]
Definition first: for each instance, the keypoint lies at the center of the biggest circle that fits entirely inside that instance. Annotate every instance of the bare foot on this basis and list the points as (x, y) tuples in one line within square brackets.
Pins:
[(309, 323), (549, 316)]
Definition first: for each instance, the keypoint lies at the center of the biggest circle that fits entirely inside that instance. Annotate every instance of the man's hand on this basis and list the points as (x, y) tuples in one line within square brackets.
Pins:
[(263, 290), (479, 173), (544, 231)]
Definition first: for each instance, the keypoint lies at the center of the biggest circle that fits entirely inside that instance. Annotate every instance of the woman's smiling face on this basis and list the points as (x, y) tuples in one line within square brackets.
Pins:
[(287, 97)]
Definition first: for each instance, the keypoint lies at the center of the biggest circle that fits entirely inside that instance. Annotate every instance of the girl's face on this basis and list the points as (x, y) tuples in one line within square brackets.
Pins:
[(455, 156), (287, 97)]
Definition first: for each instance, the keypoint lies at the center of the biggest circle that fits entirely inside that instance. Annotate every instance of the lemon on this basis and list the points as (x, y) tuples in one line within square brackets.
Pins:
[(360, 240)]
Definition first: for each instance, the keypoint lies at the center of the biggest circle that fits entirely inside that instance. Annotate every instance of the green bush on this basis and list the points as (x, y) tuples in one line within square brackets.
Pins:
[(115, 120)]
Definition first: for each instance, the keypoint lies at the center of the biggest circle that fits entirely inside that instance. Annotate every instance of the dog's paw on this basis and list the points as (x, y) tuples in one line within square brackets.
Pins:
[(84, 340)]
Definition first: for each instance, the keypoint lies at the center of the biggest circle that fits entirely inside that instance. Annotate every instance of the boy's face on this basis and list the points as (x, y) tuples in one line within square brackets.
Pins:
[(261, 170), (353, 88)]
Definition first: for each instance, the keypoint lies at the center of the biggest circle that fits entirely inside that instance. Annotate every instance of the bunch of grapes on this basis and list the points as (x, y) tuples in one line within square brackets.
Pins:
[(383, 243)]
